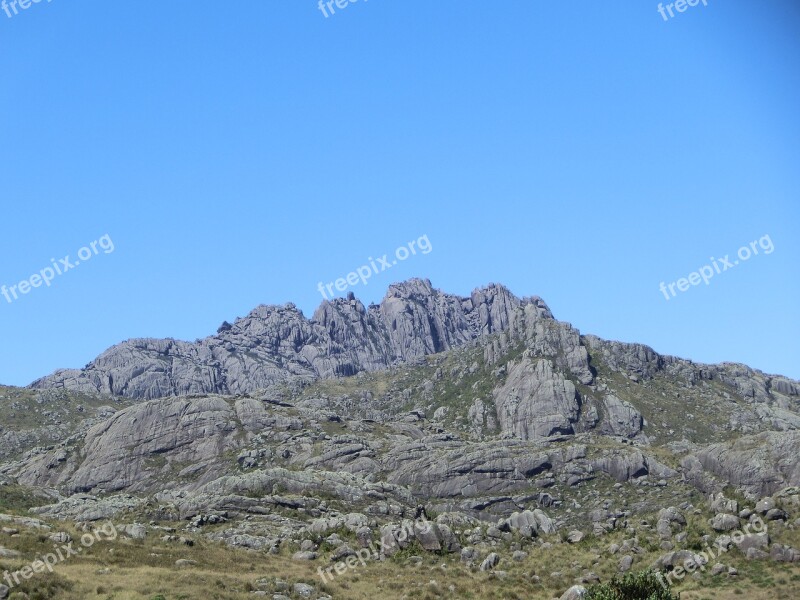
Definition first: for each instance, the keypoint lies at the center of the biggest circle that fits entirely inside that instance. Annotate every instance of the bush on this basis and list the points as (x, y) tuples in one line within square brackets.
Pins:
[(645, 585)]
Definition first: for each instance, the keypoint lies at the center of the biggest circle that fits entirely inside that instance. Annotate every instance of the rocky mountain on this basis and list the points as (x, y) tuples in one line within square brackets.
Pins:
[(530, 378), (282, 432), (277, 343)]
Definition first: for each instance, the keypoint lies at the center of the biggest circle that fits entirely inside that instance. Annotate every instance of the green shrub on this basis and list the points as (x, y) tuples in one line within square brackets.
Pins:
[(645, 585)]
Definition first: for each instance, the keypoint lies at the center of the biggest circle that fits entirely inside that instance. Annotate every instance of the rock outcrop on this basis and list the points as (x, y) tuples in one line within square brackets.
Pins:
[(536, 401), (759, 464), (277, 343)]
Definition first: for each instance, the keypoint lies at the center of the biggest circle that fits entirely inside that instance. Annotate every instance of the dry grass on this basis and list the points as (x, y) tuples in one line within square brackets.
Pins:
[(145, 570)]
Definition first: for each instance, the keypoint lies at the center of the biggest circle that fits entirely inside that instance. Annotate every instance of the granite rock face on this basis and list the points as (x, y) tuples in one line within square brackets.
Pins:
[(173, 444), (538, 394), (485, 406), (759, 464), (277, 343), (622, 418), (135, 446), (536, 401)]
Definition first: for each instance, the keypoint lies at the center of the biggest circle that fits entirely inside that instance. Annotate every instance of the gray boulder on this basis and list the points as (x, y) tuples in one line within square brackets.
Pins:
[(576, 592), (724, 522), (575, 536), (622, 418), (721, 504), (783, 553), (755, 541), (625, 563), (490, 562)]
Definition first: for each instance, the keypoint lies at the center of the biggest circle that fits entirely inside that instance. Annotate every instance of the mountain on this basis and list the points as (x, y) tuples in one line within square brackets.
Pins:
[(277, 343), (310, 438)]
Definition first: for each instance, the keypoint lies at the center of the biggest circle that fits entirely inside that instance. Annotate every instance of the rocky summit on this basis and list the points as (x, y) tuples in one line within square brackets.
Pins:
[(276, 344), (477, 442)]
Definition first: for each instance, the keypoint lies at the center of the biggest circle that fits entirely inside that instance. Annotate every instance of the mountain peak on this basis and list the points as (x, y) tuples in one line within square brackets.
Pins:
[(275, 343)]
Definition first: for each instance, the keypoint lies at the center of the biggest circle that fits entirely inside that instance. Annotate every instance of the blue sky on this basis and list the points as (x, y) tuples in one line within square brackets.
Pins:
[(239, 153)]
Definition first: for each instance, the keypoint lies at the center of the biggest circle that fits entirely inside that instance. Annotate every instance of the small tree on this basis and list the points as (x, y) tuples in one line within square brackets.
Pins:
[(645, 585)]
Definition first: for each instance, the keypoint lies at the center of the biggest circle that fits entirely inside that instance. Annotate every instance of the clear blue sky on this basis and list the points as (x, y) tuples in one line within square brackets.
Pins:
[(240, 153)]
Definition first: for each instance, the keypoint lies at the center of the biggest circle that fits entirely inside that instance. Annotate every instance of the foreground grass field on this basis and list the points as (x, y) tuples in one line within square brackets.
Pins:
[(146, 569)]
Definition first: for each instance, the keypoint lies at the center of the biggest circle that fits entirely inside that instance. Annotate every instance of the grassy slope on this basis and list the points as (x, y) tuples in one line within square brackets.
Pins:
[(143, 569)]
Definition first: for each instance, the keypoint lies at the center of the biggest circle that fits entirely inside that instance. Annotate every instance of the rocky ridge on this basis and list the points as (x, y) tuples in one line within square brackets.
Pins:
[(318, 437), (277, 343)]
